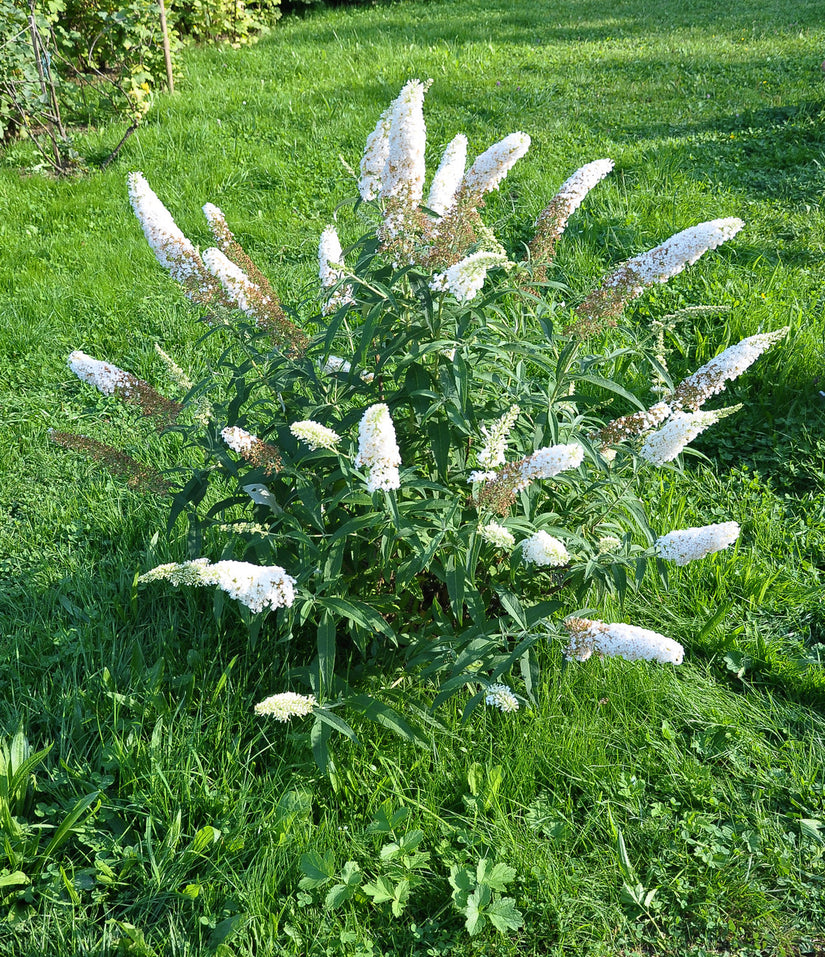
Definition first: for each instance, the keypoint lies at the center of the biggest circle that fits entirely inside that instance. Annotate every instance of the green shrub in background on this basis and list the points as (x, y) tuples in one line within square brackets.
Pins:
[(80, 62), (423, 474), (92, 60), (238, 21)]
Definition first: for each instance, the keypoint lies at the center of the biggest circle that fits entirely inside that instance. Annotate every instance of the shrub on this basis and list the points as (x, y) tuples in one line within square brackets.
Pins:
[(424, 476), (82, 60), (239, 21)]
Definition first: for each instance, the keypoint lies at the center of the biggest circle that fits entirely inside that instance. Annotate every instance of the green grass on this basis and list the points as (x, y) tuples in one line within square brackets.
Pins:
[(712, 773)]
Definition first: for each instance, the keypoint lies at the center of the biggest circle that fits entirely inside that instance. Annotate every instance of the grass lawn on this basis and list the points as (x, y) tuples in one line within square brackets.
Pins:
[(165, 818)]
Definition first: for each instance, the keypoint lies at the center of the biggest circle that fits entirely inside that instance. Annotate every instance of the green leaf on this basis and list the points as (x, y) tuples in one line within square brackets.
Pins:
[(317, 869), (812, 829), (338, 895), (380, 713), (319, 735), (62, 834), (351, 874), (628, 870), (504, 916), (326, 651), (455, 587), (473, 911), (204, 839), (386, 819), (358, 612), (381, 890), (408, 842), (496, 877), (224, 929), (401, 896), (15, 879), (439, 434), (513, 606), (462, 882)]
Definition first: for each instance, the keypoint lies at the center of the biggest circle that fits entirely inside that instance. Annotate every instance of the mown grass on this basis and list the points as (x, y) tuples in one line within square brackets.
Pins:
[(712, 773)]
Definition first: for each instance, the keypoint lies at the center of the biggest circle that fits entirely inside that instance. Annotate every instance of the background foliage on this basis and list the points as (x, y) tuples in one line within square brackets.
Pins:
[(713, 775)]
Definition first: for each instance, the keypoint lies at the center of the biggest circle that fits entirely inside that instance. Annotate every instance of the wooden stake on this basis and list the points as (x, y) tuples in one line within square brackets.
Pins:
[(167, 53)]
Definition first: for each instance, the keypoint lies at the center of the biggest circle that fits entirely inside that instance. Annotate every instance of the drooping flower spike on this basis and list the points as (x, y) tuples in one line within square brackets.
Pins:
[(711, 378), (679, 430), (655, 265), (552, 221), (690, 544), (111, 380), (171, 248), (286, 705), (620, 641), (258, 587)]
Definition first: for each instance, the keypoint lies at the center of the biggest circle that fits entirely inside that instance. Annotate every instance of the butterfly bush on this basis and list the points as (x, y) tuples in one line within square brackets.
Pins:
[(619, 641), (286, 705), (543, 549), (690, 544), (497, 535), (448, 176), (512, 411), (501, 696), (257, 587)]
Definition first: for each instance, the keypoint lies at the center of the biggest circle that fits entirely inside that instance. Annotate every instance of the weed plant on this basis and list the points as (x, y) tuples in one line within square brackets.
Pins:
[(711, 775)]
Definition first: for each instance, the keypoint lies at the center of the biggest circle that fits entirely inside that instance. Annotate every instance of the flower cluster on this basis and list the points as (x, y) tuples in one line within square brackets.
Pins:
[(377, 448), (501, 697), (448, 176), (549, 461), (492, 454), (464, 279), (256, 586), (656, 265), (110, 380), (689, 544), (241, 292), (619, 641), (286, 705), (490, 168), (104, 376), (710, 379), (543, 549), (375, 157), (681, 250), (404, 169), (637, 423), (315, 435), (478, 475), (251, 448), (552, 221), (173, 250), (330, 271), (224, 276), (496, 535), (135, 474), (679, 430), (500, 489)]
